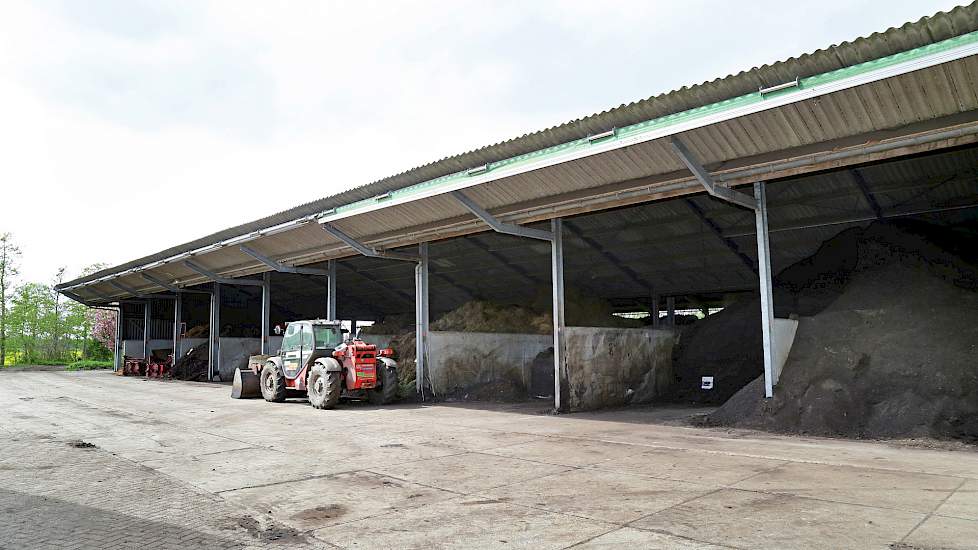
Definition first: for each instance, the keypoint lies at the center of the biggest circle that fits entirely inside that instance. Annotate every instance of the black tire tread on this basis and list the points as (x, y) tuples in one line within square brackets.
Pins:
[(277, 395)]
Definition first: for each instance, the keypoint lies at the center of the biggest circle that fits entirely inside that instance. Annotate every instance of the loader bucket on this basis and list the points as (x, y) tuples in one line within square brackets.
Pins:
[(246, 385)]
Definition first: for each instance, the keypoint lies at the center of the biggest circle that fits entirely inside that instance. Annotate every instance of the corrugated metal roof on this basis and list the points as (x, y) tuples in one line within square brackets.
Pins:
[(938, 91)]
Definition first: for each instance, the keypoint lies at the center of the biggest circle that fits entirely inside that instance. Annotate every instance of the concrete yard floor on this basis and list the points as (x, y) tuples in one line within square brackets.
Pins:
[(182, 465)]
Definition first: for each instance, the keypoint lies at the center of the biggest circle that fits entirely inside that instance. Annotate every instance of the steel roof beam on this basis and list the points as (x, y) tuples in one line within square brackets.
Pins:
[(127, 289), (706, 180), (612, 259), (502, 260), (363, 249), (498, 226), (280, 267), (867, 194), (716, 230), (400, 293), (451, 282), (214, 277)]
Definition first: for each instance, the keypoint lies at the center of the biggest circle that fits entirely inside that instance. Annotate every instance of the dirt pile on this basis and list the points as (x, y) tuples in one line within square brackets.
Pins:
[(886, 343), (726, 346), (193, 364)]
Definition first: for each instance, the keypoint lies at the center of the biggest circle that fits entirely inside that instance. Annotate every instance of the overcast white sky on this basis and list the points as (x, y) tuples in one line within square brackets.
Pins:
[(127, 126)]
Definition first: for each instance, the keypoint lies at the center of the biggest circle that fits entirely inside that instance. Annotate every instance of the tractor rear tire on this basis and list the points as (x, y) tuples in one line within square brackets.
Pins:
[(323, 387), (273, 383), (387, 392)]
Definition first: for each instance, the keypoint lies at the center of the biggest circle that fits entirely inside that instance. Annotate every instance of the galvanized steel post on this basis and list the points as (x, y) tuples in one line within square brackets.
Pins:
[(557, 274), (767, 295), (331, 290), (147, 313), (266, 309), (421, 320), (177, 315), (214, 344), (654, 310), (119, 321)]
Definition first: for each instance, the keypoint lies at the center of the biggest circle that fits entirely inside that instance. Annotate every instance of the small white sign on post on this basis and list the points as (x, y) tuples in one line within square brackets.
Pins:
[(707, 383)]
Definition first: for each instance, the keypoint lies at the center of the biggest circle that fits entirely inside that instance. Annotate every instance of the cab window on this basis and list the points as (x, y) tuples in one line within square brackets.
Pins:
[(307, 338), (326, 337), (290, 341)]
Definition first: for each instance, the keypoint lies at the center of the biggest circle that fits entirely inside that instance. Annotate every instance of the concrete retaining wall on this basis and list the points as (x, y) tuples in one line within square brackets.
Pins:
[(235, 352), (134, 348), (462, 359), (609, 367), (783, 336)]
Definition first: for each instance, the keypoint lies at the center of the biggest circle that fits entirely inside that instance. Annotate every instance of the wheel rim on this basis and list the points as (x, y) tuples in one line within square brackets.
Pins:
[(319, 386), (269, 383)]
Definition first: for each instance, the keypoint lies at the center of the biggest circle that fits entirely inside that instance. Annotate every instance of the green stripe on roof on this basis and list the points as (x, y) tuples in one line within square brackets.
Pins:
[(682, 116)]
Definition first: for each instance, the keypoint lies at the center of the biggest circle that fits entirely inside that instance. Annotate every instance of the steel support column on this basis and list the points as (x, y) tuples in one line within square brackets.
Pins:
[(147, 313), (177, 315), (421, 321), (671, 311), (331, 290), (266, 309), (555, 238), (214, 338), (654, 310), (767, 295), (120, 319), (557, 275)]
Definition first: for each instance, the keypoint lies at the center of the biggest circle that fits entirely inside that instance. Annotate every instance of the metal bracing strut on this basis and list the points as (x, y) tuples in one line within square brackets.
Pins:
[(555, 238), (711, 187), (278, 266), (215, 278), (498, 226), (758, 204), (364, 249)]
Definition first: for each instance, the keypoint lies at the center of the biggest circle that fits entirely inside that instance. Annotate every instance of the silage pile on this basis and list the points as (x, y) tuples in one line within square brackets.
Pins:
[(886, 342), (487, 316)]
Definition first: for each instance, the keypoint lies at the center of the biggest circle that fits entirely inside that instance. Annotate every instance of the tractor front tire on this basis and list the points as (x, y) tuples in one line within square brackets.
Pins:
[(272, 383), (387, 392), (323, 387)]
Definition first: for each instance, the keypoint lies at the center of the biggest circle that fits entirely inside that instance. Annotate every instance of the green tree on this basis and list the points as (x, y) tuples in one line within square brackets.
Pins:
[(28, 315), (9, 253)]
